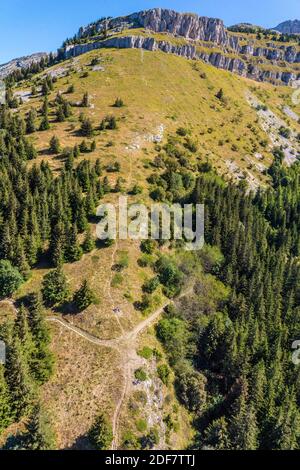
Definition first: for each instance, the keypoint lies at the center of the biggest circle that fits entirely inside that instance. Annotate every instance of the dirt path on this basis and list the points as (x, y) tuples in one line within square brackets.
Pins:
[(110, 343), (125, 345)]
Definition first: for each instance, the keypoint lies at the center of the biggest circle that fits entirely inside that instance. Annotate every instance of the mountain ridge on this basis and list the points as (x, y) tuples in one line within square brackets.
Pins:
[(20, 63), (288, 27)]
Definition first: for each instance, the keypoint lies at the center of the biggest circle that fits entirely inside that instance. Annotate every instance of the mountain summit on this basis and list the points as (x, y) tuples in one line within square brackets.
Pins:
[(160, 20), (289, 27)]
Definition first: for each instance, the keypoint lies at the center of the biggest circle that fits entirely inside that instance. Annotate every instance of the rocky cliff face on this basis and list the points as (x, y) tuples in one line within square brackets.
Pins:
[(272, 52), (133, 42), (188, 25), (20, 63), (289, 27), (189, 51)]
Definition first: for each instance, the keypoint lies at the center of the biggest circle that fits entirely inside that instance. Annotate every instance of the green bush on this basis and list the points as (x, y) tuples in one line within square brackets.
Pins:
[(151, 285), (146, 352), (169, 275), (140, 375), (141, 425), (163, 372)]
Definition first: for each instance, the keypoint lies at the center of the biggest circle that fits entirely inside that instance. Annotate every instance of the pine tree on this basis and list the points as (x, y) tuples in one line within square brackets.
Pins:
[(22, 390), (54, 288), (217, 435), (30, 122), (5, 405), (119, 103), (57, 244), (85, 100), (89, 242), (43, 360), (44, 126), (73, 250), (244, 430), (54, 145), (60, 115), (84, 297), (101, 433), (22, 331), (20, 259), (86, 128), (39, 432)]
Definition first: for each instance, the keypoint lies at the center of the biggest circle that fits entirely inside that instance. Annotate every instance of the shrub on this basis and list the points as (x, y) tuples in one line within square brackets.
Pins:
[(169, 275), (285, 132), (141, 425), (182, 131), (119, 103), (146, 352), (140, 375), (148, 246), (163, 372), (151, 285), (71, 89)]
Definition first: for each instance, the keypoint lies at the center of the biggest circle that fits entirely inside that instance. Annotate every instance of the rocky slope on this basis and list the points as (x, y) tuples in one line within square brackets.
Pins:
[(289, 27), (20, 63)]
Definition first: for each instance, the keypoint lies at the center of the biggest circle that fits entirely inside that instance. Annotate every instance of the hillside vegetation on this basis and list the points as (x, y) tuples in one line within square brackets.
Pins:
[(214, 372)]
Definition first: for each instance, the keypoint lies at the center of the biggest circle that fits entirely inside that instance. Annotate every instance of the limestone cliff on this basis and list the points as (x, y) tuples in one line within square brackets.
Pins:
[(188, 25), (189, 51)]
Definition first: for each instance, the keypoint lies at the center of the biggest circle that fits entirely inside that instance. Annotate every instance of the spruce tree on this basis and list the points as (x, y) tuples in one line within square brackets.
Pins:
[(84, 296), (17, 374), (39, 431), (89, 242), (43, 361), (54, 145), (6, 415), (54, 288), (73, 250)]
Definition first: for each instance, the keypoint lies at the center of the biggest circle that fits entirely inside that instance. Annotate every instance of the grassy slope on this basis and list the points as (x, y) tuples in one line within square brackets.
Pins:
[(157, 89)]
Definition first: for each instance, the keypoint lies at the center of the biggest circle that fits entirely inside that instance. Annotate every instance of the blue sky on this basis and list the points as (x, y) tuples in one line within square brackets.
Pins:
[(28, 26)]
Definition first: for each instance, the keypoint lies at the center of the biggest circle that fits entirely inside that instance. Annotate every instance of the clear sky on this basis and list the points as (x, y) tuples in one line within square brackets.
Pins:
[(28, 26)]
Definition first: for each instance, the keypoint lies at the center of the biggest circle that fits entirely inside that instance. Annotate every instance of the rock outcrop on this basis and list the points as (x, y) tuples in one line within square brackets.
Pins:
[(287, 53), (133, 42)]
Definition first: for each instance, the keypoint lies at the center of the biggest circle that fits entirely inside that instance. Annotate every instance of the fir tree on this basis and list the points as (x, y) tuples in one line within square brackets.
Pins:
[(73, 250), (84, 297), (89, 242), (54, 288), (6, 415)]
